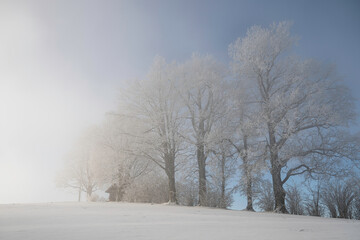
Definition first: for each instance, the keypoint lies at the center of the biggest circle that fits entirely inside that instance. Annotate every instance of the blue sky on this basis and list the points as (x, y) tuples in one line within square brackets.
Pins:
[(62, 63)]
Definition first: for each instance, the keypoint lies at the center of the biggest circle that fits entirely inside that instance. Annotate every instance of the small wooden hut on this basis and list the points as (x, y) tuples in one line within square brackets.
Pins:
[(113, 191)]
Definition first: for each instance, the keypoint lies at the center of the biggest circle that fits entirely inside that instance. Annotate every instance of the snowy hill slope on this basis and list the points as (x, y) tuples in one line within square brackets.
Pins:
[(144, 221)]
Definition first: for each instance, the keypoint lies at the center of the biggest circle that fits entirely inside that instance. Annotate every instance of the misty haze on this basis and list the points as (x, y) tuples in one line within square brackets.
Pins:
[(179, 119)]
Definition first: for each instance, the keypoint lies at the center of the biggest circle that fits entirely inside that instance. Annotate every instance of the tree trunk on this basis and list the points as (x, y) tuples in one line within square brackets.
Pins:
[(170, 172), (202, 175), (279, 191), (201, 158), (248, 174), (249, 205), (172, 189), (223, 182)]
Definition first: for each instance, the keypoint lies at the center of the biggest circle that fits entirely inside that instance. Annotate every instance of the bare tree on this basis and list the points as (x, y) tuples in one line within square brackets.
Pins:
[(187, 191), (355, 180), (222, 167), (303, 106), (328, 200), (357, 205), (313, 205), (265, 196), (338, 197), (294, 200)]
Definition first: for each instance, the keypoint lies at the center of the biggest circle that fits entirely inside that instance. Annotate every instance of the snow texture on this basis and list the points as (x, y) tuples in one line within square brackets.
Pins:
[(144, 221)]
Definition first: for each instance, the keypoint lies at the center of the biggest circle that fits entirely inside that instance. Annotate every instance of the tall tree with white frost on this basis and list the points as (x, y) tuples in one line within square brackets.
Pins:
[(203, 94), (245, 140), (303, 106), (154, 106)]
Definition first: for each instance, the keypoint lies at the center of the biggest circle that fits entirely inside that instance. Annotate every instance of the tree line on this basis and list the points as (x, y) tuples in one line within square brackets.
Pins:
[(196, 132)]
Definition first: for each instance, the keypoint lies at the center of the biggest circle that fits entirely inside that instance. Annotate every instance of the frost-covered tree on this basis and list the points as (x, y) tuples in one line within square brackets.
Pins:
[(187, 191), (120, 164), (151, 187), (202, 80), (81, 169), (303, 106), (244, 138), (153, 105)]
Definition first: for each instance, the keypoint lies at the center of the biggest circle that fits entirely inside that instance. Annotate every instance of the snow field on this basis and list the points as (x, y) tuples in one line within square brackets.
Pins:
[(80, 221)]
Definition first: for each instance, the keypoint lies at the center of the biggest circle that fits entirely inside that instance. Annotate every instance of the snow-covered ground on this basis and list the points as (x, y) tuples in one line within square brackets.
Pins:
[(145, 221)]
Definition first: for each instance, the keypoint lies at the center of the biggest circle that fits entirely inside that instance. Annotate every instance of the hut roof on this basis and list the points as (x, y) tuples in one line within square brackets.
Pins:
[(112, 188)]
